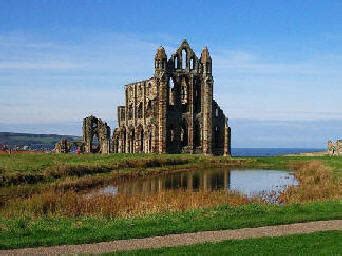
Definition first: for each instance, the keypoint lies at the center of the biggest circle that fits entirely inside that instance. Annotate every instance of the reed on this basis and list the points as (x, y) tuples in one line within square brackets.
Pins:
[(72, 204), (316, 182)]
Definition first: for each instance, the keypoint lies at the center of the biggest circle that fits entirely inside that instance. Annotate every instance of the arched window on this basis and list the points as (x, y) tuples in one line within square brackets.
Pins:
[(123, 145), (171, 133), (122, 114), (141, 140), (191, 63), (197, 134), (130, 112), (149, 108), (95, 143), (184, 134), (116, 144), (149, 88), (216, 112), (171, 83), (176, 62), (150, 141), (217, 136), (131, 141), (184, 59), (171, 92), (140, 110), (184, 93)]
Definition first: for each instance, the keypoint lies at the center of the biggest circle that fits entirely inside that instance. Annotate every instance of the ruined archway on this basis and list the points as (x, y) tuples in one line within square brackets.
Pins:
[(140, 139), (96, 135)]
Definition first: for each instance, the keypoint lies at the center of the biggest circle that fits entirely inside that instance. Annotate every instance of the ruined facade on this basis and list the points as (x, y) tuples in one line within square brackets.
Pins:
[(96, 135), (63, 146), (335, 148), (173, 111)]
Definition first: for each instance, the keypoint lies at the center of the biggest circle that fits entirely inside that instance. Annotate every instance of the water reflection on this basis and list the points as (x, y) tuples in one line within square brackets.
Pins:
[(248, 182)]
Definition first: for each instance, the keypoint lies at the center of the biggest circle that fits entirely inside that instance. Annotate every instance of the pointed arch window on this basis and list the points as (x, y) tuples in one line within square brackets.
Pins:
[(184, 59), (130, 112), (171, 91), (140, 110), (184, 93), (191, 64)]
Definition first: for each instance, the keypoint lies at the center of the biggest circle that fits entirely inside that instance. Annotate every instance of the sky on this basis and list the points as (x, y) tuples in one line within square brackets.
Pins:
[(276, 64)]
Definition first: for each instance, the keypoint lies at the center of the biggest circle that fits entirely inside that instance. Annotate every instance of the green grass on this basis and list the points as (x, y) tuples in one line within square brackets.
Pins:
[(34, 168), (16, 233), (319, 243), (24, 232), (38, 163)]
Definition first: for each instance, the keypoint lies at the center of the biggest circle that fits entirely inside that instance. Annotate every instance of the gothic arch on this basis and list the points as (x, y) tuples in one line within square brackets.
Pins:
[(184, 133), (131, 140), (123, 140), (96, 135), (140, 139)]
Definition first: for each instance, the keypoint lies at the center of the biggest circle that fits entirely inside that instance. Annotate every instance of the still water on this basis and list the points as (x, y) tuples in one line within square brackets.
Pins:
[(250, 182)]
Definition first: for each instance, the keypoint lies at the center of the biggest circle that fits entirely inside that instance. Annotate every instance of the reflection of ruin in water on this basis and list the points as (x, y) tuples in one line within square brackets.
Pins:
[(248, 182)]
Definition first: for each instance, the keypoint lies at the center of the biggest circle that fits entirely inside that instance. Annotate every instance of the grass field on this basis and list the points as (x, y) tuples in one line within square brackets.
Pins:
[(320, 243), (32, 232), (42, 205)]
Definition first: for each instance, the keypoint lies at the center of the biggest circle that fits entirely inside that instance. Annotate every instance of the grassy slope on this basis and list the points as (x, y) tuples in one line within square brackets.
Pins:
[(320, 243), (10, 138), (52, 231)]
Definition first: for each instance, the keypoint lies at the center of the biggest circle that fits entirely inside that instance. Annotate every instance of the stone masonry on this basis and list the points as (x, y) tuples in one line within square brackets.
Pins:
[(173, 111), (96, 135), (63, 146)]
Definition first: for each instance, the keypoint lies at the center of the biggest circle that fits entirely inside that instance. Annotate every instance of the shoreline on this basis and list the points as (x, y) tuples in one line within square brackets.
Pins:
[(318, 153)]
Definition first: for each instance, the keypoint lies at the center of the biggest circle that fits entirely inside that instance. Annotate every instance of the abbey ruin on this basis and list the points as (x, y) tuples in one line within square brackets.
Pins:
[(335, 148), (96, 136), (174, 110)]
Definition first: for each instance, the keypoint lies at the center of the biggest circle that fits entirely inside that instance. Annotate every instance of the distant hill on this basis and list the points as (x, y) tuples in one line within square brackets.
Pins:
[(22, 139)]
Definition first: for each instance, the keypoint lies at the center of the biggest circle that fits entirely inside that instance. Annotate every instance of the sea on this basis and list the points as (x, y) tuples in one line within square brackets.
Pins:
[(272, 151)]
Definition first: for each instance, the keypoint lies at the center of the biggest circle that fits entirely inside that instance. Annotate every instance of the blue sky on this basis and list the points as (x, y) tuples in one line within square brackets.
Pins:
[(277, 64)]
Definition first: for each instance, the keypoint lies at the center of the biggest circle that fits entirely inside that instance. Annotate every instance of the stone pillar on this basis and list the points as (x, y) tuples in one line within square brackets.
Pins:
[(227, 140), (207, 115), (162, 104), (191, 114)]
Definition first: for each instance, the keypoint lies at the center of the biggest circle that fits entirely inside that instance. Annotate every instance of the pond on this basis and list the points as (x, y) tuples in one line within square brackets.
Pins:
[(267, 184)]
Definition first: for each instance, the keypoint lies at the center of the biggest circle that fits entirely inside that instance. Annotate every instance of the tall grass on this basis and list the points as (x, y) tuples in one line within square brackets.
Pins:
[(316, 182), (71, 204)]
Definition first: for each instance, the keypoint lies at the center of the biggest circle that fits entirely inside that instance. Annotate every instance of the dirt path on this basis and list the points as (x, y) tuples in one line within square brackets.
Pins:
[(181, 239)]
